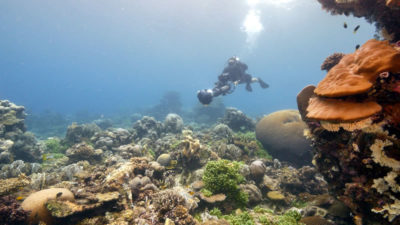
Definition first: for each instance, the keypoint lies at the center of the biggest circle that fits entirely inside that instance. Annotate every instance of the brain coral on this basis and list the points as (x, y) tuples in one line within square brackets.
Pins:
[(281, 133), (36, 203)]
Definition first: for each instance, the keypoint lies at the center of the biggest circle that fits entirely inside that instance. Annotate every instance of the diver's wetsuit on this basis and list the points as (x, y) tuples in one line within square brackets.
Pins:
[(234, 73)]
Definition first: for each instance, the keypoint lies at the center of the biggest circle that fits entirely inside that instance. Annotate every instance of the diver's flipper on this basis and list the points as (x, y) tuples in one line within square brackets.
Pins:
[(262, 83), (248, 87)]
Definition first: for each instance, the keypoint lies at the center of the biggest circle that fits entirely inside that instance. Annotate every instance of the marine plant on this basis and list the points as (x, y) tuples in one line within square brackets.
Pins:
[(223, 176)]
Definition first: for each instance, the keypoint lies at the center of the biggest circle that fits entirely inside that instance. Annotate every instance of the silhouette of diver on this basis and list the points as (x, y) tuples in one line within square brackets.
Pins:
[(232, 75)]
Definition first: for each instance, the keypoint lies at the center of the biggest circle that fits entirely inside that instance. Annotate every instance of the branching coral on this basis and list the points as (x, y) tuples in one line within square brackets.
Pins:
[(384, 13)]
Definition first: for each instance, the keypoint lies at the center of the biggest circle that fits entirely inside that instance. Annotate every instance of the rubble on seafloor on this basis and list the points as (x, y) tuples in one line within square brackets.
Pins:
[(160, 176)]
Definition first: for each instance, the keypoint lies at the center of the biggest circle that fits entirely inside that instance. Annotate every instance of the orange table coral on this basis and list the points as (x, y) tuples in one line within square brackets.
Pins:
[(357, 72)]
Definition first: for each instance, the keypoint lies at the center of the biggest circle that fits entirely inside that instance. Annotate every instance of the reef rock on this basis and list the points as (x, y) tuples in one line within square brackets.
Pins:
[(15, 142), (147, 127), (282, 134), (83, 151), (173, 123), (237, 120), (19, 167), (79, 133)]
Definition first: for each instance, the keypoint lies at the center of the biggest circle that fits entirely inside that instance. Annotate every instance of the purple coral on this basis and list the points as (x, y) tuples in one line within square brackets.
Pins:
[(11, 212)]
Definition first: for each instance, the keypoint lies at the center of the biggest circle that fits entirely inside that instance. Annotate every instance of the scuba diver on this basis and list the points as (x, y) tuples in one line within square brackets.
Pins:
[(232, 75)]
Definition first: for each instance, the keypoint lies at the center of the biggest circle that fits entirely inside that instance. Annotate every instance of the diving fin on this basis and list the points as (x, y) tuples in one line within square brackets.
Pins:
[(262, 83)]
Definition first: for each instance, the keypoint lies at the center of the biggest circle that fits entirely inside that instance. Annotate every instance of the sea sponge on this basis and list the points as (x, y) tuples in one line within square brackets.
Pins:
[(281, 133), (356, 73), (36, 203)]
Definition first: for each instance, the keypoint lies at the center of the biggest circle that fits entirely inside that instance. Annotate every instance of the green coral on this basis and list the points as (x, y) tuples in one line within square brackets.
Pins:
[(250, 145), (175, 144), (223, 176), (53, 145), (299, 204), (242, 218), (291, 217), (259, 209)]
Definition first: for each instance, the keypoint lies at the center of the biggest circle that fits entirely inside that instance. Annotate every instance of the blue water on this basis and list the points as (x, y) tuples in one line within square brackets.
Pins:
[(103, 56)]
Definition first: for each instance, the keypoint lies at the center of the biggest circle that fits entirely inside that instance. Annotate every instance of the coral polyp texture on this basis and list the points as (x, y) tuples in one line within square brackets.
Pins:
[(353, 117), (385, 14)]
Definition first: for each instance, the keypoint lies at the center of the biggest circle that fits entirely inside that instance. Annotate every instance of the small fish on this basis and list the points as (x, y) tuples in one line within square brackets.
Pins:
[(58, 194), (19, 198), (345, 25), (356, 28), (357, 47), (191, 193)]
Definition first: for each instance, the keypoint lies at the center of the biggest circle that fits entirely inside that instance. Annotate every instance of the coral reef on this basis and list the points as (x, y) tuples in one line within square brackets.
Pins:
[(158, 173), (80, 133), (223, 176), (173, 123), (35, 203), (281, 133), (384, 14), (237, 120), (83, 151), (16, 143), (354, 127), (19, 167), (147, 127), (11, 185), (11, 212), (331, 61)]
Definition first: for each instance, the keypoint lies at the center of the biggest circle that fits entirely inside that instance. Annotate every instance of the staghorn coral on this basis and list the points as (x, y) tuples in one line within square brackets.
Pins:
[(383, 13)]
